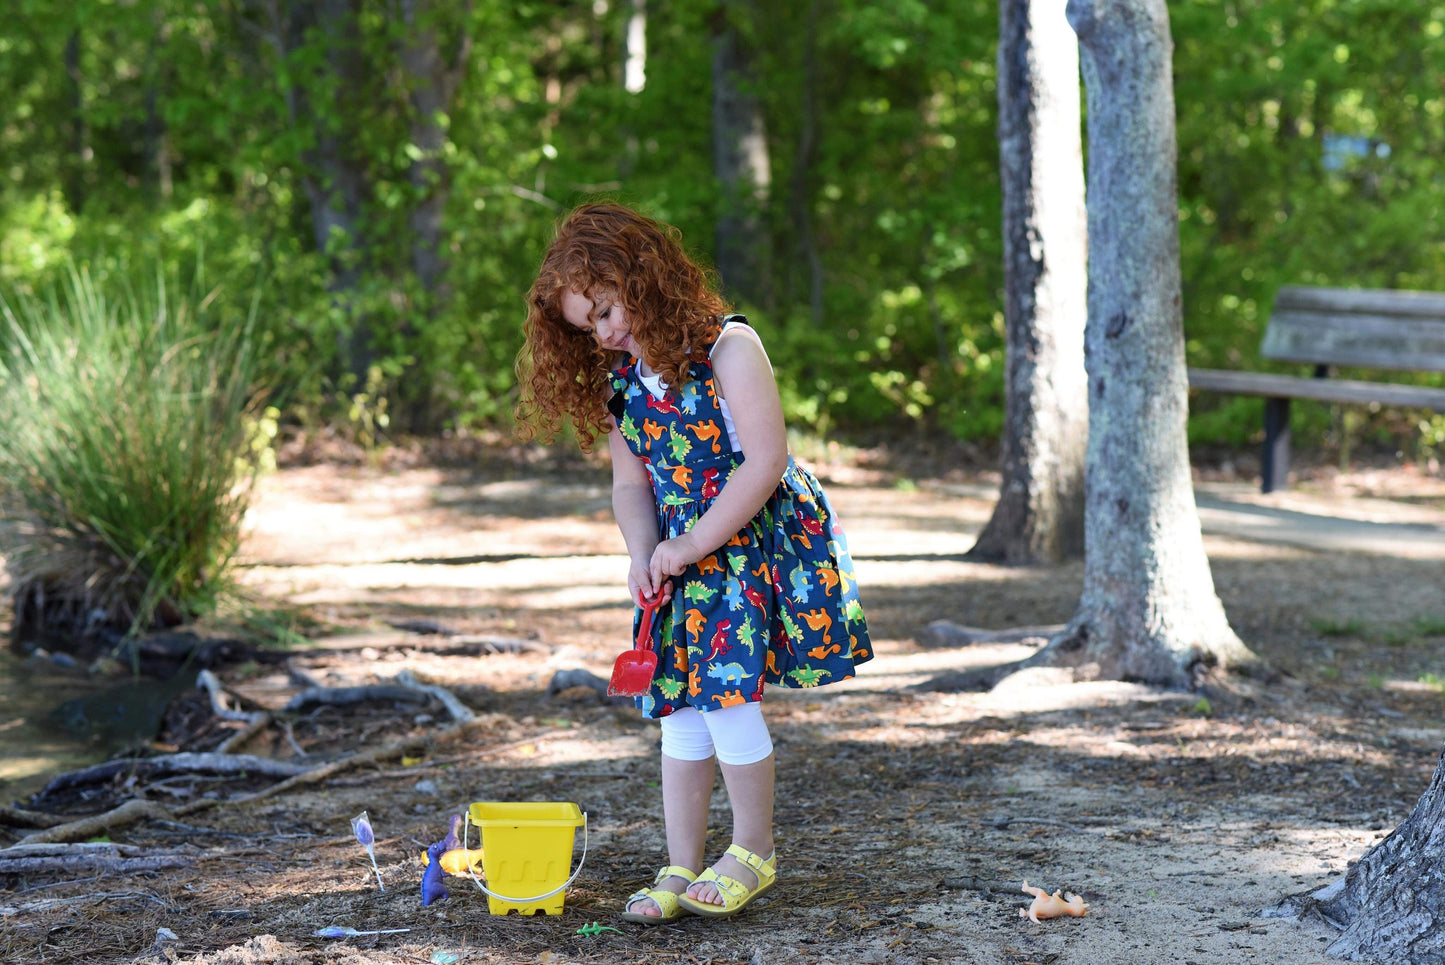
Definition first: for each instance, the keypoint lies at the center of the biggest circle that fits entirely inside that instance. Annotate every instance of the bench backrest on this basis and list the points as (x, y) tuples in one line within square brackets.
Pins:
[(1364, 328)]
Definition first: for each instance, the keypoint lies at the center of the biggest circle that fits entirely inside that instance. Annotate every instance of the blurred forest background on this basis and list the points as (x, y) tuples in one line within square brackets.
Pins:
[(370, 184)]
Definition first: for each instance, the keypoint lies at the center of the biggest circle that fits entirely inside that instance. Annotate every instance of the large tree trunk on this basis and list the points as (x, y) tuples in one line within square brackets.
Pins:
[(1039, 516), (741, 163), (1148, 611), (1391, 904)]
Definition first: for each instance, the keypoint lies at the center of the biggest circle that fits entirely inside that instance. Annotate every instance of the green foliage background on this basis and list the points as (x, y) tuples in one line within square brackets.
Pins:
[(169, 131)]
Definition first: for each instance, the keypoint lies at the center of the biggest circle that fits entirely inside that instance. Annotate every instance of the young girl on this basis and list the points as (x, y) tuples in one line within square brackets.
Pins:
[(736, 545)]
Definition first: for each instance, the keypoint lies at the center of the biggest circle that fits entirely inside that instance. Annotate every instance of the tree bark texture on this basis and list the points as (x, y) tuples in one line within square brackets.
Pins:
[(801, 194), (335, 174), (433, 76), (741, 163), (1149, 611), (1391, 904), (1039, 516)]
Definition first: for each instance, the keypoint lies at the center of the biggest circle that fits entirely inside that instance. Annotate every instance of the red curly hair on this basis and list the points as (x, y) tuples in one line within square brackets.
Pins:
[(673, 307)]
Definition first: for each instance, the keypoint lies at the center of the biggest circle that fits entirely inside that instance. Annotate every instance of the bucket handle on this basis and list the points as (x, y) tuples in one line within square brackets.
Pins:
[(525, 901)]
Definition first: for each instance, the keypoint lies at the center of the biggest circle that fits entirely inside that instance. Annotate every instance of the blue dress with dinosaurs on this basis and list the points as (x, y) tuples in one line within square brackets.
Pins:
[(775, 604)]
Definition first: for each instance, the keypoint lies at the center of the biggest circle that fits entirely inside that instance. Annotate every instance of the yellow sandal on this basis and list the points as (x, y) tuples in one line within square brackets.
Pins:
[(666, 901), (735, 895)]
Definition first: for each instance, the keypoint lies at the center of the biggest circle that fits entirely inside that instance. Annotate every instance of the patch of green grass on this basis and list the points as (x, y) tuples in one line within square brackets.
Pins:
[(1434, 681), (1376, 681), (1430, 626), (133, 429), (1399, 637), (1332, 627)]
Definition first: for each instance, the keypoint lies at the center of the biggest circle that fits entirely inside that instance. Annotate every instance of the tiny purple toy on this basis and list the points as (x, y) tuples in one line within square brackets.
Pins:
[(432, 888)]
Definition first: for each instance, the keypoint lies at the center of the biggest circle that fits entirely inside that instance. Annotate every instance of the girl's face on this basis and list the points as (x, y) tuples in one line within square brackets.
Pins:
[(605, 319)]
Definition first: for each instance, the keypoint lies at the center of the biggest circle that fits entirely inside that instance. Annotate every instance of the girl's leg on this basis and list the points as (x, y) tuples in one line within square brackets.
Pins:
[(688, 767), (750, 789), (686, 790), (745, 750)]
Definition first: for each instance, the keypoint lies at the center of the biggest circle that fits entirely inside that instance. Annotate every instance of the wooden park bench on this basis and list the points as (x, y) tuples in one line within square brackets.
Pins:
[(1328, 327)]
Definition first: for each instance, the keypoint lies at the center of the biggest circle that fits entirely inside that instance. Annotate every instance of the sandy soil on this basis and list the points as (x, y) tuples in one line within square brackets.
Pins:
[(907, 819)]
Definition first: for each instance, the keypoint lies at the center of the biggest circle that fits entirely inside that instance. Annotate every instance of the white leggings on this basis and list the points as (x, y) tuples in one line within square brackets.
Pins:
[(736, 734)]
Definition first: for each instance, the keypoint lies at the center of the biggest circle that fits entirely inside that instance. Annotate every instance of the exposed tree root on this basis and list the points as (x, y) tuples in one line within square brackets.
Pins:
[(19, 818)]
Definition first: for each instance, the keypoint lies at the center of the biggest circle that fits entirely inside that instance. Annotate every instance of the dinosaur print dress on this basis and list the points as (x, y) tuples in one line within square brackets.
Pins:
[(777, 603)]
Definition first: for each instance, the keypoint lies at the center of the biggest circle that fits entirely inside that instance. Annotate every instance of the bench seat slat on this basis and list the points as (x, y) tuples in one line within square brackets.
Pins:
[(1365, 301), (1323, 390), (1362, 341)]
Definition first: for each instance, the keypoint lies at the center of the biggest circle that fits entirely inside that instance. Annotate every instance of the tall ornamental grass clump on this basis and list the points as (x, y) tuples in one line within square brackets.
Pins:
[(131, 430)]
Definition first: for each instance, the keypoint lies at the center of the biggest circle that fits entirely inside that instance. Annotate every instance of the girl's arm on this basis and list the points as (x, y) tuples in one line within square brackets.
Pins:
[(744, 377), (636, 512)]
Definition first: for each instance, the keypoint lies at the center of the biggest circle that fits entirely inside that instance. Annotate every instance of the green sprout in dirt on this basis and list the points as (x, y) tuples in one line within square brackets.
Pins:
[(1331, 627), (133, 429)]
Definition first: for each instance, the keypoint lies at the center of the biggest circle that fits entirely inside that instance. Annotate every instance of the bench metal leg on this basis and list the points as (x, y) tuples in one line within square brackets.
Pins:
[(1274, 461)]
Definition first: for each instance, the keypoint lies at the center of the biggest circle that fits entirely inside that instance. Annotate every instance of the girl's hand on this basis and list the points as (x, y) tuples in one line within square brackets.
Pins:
[(643, 588), (672, 556)]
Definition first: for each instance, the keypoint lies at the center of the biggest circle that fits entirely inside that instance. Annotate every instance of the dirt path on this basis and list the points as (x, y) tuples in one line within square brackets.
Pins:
[(907, 820)]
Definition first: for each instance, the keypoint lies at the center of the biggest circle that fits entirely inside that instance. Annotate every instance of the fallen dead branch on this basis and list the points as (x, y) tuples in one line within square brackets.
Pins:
[(211, 684), (238, 740), (445, 697), (185, 763), (50, 904), (137, 810), (338, 696), (395, 749), (117, 817), (103, 858)]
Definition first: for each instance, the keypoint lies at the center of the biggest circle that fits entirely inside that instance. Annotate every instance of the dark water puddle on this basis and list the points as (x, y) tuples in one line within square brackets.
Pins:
[(54, 719)]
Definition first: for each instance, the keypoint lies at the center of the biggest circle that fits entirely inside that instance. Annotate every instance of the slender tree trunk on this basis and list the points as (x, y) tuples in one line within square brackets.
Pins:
[(741, 163), (1039, 516), (334, 177), (1148, 611), (1391, 904), (157, 136), (801, 188), (634, 63), (76, 164), (432, 79)]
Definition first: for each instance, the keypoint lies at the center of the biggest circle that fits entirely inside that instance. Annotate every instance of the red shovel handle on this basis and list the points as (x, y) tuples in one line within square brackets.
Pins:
[(644, 631)]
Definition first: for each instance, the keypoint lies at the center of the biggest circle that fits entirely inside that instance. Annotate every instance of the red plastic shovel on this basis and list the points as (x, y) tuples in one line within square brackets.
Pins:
[(632, 673)]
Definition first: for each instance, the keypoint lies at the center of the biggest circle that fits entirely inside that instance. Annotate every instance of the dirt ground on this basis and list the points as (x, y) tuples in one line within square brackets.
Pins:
[(907, 820)]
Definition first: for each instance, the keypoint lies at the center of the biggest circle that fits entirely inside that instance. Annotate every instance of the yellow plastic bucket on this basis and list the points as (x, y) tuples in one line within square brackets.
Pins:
[(526, 854)]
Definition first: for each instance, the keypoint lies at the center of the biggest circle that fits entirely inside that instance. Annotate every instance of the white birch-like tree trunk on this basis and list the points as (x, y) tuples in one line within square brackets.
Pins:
[(634, 62), (1039, 516), (1149, 611)]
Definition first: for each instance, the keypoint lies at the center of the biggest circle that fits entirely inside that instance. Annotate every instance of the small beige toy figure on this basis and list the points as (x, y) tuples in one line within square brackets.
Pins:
[(1046, 905)]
